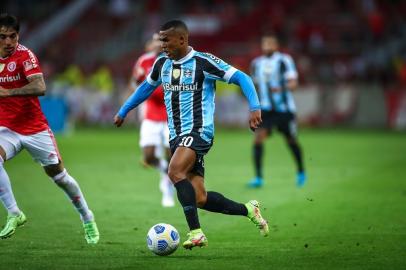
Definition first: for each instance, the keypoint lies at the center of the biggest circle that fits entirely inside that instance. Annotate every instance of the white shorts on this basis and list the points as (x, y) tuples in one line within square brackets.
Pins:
[(41, 146), (154, 133)]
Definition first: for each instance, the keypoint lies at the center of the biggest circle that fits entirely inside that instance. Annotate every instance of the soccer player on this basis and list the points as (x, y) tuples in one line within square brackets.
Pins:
[(275, 75), (23, 126), (188, 79), (154, 132)]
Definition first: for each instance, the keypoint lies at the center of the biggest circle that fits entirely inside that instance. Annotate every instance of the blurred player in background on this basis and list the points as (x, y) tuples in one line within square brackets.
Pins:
[(188, 78), (154, 132), (23, 126), (275, 75)]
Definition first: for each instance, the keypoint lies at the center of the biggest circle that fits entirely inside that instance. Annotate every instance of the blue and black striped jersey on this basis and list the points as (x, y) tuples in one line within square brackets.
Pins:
[(273, 72), (189, 90)]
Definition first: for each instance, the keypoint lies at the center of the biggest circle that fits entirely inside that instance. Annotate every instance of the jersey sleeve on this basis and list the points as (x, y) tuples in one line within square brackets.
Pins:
[(217, 69), (139, 71), (154, 77), (254, 71), (30, 64), (291, 72)]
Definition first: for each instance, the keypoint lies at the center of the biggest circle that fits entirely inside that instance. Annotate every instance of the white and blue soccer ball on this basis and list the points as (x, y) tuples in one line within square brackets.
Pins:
[(163, 239)]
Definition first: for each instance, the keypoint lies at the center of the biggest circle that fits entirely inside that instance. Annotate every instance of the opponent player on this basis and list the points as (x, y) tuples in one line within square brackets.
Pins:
[(188, 78), (275, 75), (23, 126), (154, 132)]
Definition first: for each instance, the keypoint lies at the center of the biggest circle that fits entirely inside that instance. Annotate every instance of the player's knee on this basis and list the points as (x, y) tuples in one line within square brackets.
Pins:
[(175, 174), (150, 160)]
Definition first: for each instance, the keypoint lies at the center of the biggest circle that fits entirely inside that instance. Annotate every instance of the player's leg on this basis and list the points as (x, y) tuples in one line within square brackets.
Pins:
[(9, 146), (152, 141), (260, 136), (165, 184), (288, 128), (150, 138), (215, 202), (42, 147), (182, 162), (257, 153)]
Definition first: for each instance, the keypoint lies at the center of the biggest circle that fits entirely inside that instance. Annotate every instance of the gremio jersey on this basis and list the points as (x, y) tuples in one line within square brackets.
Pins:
[(273, 71), (189, 90)]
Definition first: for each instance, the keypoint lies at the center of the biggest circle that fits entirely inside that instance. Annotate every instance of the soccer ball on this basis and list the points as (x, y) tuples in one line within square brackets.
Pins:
[(163, 239)]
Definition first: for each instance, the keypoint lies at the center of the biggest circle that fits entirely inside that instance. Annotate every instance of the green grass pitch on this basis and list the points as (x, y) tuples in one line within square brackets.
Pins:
[(350, 215)]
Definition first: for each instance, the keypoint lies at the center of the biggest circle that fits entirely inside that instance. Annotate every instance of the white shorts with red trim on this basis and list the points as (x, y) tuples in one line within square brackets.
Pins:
[(41, 146), (154, 133)]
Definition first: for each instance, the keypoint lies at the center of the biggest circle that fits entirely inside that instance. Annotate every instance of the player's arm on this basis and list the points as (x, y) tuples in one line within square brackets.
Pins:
[(143, 91), (35, 87), (247, 86), (291, 75)]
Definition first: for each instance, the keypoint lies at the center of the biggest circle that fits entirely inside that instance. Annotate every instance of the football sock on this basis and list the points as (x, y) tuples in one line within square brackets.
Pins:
[(258, 152), (216, 202), (163, 165), (297, 153), (6, 194), (187, 198), (165, 185), (68, 184)]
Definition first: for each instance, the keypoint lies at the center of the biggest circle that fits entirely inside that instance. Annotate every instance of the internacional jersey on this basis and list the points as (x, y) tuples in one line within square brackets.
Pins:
[(21, 114)]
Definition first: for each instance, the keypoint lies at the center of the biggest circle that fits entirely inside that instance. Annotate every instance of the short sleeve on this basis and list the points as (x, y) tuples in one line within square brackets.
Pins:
[(139, 71), (291, 72), (30, 64), (217, 69), (154, 77)]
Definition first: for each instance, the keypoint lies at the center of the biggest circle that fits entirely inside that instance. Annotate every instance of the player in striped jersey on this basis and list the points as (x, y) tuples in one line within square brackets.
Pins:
[(188, 78), (275, 75)]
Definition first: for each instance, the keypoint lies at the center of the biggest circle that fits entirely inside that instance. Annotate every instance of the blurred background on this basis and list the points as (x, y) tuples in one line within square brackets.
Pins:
[(351, 55)]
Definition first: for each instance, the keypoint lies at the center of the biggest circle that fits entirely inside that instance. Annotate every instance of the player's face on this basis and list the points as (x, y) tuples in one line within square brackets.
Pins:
[(269, 45), (172, 43), (8, 41)]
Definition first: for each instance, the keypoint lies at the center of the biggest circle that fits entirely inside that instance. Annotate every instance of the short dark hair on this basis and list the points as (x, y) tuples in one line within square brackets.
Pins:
[(177, 24), (9, 21)]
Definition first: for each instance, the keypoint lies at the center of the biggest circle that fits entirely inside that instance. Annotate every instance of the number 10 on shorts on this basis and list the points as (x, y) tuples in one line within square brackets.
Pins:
[(186, 141)]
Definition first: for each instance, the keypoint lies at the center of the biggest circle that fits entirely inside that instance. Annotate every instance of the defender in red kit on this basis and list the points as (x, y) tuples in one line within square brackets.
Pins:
[(154, 132), (23, 126)]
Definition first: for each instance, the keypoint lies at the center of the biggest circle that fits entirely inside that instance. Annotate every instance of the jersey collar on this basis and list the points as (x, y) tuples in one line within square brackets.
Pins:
[(186, 57)]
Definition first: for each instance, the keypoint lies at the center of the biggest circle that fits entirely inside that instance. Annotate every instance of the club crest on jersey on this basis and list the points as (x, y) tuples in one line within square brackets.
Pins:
[(176, 73), (2, 67), (11, 66), (187, 73)]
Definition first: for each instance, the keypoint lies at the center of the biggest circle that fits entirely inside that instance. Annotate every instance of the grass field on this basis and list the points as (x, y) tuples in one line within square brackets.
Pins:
[(350, 215)]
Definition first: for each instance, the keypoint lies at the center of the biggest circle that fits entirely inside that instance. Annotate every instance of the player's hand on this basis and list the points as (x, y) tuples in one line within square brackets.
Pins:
[(118, 121), (255, 119), (4, 92)]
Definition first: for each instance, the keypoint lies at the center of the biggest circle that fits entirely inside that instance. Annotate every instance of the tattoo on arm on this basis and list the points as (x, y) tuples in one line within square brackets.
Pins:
[(35, 87)]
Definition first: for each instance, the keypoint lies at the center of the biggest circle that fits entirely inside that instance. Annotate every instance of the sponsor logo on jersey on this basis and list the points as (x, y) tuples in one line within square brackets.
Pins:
[(8, 78), (11, 66), (28, 65), (180, 87), (176, 73), (2, 67)]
